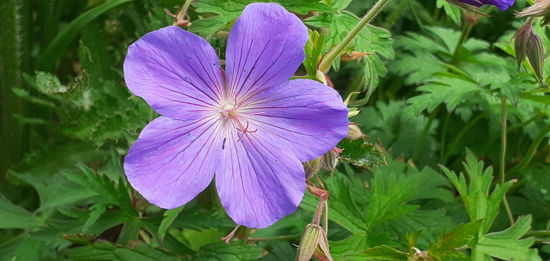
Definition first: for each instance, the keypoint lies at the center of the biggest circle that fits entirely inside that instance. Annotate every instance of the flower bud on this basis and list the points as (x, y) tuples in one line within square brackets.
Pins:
[(320, 76), (314, 241), (312, 167), (309, 242), (540, 8), (329, 160), (354, 132), (528, 44), (535, 54)]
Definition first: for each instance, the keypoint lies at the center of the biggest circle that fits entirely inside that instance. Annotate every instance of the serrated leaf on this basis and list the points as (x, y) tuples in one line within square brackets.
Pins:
[(373, 40), (506, 244), (104, 250), (480, 201), (313, 48), (169, 216), (228, 252), (227, 11), (456, 238), (342, 204), (361, 153), (451, 10), (14, 216), (444, 89)]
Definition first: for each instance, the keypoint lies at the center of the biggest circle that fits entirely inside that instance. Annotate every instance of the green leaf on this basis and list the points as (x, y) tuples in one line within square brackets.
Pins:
[(458, 237), (389, 198), (48, 59), (381, 253), (342, 203), (373, 40), (169, 217), (228, 252), (361, 153), (451, 10), (399, 131), (446, 89), (313, 48), (14, 216), (227, 11), (480, 202), (506, 244), (104, 250)]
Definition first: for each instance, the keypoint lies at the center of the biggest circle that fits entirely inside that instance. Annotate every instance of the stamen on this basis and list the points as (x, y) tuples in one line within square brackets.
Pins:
[(244, 129)]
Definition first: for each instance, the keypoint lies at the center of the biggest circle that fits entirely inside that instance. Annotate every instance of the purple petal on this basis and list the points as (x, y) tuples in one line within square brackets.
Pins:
[(501, 4), (265, 48), (175, 71), (172, 161), (258, 182), (309, 116)]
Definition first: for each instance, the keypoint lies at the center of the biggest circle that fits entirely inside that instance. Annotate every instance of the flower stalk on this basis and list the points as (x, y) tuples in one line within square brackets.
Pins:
[(337, 51), (503, 141)]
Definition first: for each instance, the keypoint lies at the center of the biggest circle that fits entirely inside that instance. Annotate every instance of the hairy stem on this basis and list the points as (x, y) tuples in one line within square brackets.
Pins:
[(511, 129), (180, 16), (337, 51)]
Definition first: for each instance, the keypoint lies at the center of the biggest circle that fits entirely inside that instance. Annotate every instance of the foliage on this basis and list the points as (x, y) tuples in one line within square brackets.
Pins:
[(432, 83)]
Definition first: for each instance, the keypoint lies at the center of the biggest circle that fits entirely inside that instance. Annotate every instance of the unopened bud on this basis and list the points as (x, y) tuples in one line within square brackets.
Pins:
[(539, 8), (321, 77), (312, 167), (520, 42), (354, 132), (535, 54), (323, 251), (314, 241), (528, 44), (352, 56), (309, 242), (353, 112), (329, 160)]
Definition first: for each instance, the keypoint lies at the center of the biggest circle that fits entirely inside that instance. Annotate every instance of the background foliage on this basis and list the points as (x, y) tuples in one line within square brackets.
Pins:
[(424, 185)]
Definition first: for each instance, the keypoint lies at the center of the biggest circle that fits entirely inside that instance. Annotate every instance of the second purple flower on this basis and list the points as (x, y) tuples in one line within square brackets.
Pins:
[(501, 4)]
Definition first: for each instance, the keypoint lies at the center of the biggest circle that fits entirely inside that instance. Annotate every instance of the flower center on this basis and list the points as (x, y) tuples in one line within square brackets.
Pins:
[(230, 114)]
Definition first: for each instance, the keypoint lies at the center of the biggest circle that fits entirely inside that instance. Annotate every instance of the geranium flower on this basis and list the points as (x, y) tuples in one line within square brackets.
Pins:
[(252, 128), (501, 4)]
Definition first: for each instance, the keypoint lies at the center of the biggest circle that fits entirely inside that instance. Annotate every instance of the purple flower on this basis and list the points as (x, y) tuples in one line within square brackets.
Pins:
[(501, 4), (252, 127)]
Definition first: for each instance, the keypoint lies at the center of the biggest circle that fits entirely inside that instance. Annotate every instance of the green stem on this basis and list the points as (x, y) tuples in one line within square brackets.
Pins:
[(511, 129), (337, 51), (532, 149), (465, 33), (503, 140), (180, 16)]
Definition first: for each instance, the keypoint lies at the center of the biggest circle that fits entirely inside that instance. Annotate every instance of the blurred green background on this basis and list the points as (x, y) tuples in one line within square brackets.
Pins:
[(427, 99)]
